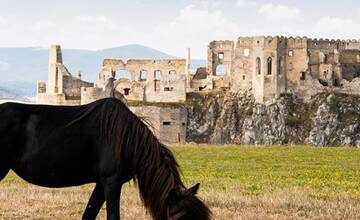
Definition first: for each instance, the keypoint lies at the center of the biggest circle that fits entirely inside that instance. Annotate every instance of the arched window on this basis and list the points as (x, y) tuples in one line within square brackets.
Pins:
[(123, 74), (269, 66), (221, 56), (258, 66)]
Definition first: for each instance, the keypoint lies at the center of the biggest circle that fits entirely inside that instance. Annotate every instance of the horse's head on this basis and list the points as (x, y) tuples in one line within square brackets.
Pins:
[(184, 205)]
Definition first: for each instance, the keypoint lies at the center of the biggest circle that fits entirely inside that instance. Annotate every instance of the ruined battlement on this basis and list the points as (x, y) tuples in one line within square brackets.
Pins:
[(222, 44), (55, 54)]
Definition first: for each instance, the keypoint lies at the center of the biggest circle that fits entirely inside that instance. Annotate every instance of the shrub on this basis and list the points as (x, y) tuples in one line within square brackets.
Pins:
[(334, 104)]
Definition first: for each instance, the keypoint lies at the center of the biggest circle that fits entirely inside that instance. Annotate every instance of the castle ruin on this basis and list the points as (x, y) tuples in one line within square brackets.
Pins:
[(265, 67)]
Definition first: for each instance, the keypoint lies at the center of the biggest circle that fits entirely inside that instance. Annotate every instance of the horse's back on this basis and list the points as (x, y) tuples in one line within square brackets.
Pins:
[(46, 145)]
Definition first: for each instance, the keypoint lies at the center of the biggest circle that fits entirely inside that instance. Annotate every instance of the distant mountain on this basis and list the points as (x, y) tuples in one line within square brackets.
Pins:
[(20, 68), (13, 94)]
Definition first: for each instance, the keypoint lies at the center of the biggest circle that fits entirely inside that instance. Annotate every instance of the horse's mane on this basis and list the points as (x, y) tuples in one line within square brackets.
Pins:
[(153, 165)]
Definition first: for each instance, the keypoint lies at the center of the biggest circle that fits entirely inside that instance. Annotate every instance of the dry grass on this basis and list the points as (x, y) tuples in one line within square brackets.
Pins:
[(19, 202), (272, 197)]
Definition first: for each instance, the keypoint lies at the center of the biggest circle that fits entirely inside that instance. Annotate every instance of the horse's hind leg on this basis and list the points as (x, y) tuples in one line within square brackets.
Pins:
[(96, 200)]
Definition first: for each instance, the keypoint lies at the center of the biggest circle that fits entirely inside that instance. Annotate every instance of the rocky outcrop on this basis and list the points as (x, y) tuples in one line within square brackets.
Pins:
[(228, 118)]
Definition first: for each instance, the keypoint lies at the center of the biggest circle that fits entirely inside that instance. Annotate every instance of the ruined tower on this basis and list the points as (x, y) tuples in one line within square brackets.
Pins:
[(220, 57), (188, 68), (54, 76)]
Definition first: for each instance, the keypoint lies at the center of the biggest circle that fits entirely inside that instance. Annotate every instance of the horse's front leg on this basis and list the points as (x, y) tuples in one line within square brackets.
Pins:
[(96, 200), (112, 191)]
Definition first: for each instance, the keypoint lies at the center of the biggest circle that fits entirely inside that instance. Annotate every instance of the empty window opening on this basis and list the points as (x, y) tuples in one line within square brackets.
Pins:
[(220, 70), (244, 77), (172, 72), (183, 124), (326, 59), (291, 53), (303, 76), (325, 73), (169, 89), (202, 88), (166, 123), (246, 52), (123, 74), (258, 66), (126, 91), (143, 75), (336, 82), (221, 56), (157, 75), (157, 78), (269, 66)]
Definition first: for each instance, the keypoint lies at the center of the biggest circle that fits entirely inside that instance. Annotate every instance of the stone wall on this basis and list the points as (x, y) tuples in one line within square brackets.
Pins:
[(62, 88), (220, 53), (168, 122), (298, 65), (163, 80), (72, 87), (132, 90)]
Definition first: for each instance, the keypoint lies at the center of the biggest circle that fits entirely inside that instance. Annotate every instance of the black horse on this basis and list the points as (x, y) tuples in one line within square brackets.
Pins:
[(103, 143)]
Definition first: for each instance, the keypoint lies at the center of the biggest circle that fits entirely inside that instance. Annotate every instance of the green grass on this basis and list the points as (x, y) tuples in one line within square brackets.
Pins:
[(254, 170), (276, 182)]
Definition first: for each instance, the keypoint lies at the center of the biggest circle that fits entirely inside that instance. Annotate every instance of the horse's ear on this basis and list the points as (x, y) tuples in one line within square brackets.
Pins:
[(193, 190)]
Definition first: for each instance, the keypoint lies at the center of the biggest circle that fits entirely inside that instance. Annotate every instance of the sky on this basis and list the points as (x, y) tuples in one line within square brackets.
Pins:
[(170, 26)]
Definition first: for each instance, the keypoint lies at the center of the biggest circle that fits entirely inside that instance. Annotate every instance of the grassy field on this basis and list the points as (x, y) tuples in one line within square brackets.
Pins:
[(237, 182)]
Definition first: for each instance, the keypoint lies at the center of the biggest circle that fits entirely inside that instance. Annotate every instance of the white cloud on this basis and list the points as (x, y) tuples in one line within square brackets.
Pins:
[(210, 3), (42, 25), (3, 21), (193, 27), (336, 27), (95, 22), (279, 12), (246, 3), (358, 11)]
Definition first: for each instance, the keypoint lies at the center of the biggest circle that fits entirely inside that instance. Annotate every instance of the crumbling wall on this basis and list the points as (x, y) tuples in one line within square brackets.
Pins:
[(162, 80), (168, 122), (62, 88), (220, 53), (131, 90), (350, 64), (243, 64), (72, 87)]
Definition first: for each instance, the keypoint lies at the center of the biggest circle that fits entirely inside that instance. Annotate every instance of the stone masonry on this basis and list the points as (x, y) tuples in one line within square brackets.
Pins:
[(264, 67)]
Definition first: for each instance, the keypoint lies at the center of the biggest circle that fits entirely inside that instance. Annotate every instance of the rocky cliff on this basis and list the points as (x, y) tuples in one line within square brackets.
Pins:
[(227, 118)]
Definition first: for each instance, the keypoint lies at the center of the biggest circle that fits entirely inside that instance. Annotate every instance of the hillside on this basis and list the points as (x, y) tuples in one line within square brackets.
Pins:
[(13, 94), (327, 120)]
